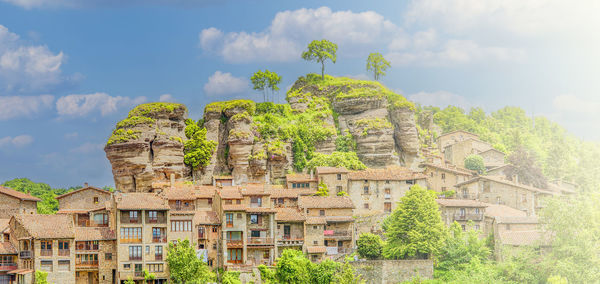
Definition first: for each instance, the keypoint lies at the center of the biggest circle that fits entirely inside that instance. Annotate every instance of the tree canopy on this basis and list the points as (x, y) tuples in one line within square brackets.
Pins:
[(198, 150), (320, 51), (369, 246), (185, 266), (474, 162), (377, 64), (263, 81), (49, 204)]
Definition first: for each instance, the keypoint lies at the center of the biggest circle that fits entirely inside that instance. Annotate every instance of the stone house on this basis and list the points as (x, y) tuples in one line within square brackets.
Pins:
[(41, 246), (336, 179), (454, 137), (142, 221), (314, 235), (493, 158), (290, 229), (444, 177), (457, 153), (463, 211), (86, 198), (301, 181), (95, 259), (16, 202), (510, 233), (207, 224), (8, 254), (338, 233)]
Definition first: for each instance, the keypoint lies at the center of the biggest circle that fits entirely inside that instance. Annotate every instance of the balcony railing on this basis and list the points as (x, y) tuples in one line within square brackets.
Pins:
[(201, 236), (260, 241), (64, 252), (333, 233), (88, 223), (161, 239), (131, 241), (469, 216), (127, 220), (290, 240), (8, 266), (183, 207), (25, 254), (158, 220), (158, 257), (86, 263), (46, 252), (139, 274), (135, 257), (231, 243), (86, 247)]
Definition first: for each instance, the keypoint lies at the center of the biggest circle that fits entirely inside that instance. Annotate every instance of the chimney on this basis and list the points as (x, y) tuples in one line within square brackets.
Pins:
[(172, 180), (85, 184)]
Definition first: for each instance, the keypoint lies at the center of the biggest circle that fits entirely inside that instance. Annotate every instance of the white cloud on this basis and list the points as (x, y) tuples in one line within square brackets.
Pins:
[(440, 99), (71, 135), (291, 31), (166, 98), (82, 105), (17, 141), (87, 148), (25, 68), (224, 83), (23, 106), (574, 104)]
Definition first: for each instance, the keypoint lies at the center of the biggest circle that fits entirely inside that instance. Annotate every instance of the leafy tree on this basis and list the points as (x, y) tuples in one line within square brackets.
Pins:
[(320, 51), (185, 266), (129, 280), (273, 82), (49, 204), (415, 228), (377, 64), (293, 267), (198, 151), (347, 275), (474, 162), (230, 277), (267, 275), (148, 276), (322, 189), (259, 82), (523, 165), (41, 277), (324, 272), (459, 249), (345, 143), (347, 160), (369, 246), (557, 279)]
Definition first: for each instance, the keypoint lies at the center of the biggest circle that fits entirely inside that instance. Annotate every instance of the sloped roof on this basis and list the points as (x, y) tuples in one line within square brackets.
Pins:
[(517, 220), (4, 224), (329, 202), (299, 178), (460, 203), (499, 179), (455, 170), (206, 218), (316, 221), (83, 189), (140, 201), (79, 211), (94, 234), (290, 193), (259, 210), (499, 210), (389, 173), (205, 191), (289, 215), (234, 207), (7, 248), (316, 249), (40, 226), (230, 192), (521, 238), (18, 194), (254, 189), (179, 193), (457, 131), (330, 170)]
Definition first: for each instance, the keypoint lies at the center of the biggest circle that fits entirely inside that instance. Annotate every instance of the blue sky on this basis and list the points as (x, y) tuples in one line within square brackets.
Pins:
[(70, 69)]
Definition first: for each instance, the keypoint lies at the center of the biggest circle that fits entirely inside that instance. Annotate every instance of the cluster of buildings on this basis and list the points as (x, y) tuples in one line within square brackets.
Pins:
[(108, 237)]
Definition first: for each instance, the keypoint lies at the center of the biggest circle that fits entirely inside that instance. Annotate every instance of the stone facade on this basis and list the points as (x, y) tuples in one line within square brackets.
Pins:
[(463, 212), (15, 202), (393, 271), (87, 198), (444, 177)]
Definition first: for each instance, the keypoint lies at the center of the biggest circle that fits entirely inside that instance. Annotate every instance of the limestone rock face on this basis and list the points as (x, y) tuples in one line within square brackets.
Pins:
[(405, 134), (147, 147)]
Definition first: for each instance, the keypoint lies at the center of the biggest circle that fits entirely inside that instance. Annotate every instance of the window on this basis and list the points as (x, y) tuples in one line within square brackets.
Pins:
[(387, 182), (255, 234), (338, 188), (158, 250), (314, 227), (229, 219), (339, 176), (108, 256), (315, 243), (238, 201), (443, 175), (46, 265), (131, 234), (133, 217), (387, 207), (126, 266), (101, 219), (214, 229), (181, 226), (201, 246), (476, 227), (366, 190), (158, 235), (462, 212), (209, 201), (64, 265), (255, 219), (280, 200), (476, 210), (431, 174), (366, 205), (96, 200), (46, 245), (256, 200), (201, 232), (238, 216), (156, 267), (321, 212), (135, 253), (294, 185), (464, 228), (214, 246), (410, 181), (152, 216), (228, 201), (63, 245)]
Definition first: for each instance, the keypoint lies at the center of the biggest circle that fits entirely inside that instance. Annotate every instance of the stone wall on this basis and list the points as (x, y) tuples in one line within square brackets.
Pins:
[(393, 271)]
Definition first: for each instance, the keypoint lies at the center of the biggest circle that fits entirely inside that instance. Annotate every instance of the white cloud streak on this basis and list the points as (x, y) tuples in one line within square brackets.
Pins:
[(12, 107), (224, 84), (79, 105), (17, 141)]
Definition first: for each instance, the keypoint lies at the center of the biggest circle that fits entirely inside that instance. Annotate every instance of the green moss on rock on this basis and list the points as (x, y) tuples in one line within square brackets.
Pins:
[(150, 109), (133, 121), (218, 107), (123, 135), (372, 124)]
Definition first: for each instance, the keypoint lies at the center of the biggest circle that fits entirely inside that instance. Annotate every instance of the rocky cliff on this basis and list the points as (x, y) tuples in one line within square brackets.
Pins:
[(263, 142)]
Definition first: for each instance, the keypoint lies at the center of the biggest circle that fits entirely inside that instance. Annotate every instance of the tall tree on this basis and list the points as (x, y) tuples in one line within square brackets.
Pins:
[(523, 165), (320, 51), (259, 83), (185, 266), (377, 64), (273, 80), (369, 246), (415, 228), (293, 267)]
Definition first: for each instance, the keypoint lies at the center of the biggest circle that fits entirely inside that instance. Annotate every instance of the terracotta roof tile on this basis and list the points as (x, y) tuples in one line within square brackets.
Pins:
[(499, 210), (206, 218), (140, 201), (4, 224), (234, 207), (325, 202), (46, 226), (460, 203), (205, 191), (500, 179), (18, 194), (455, 170), (82, 189), (259, 210), (299, 178), (7, 248), (316, 249), (79, 211), (94, 234), (230, 192), (390, 173), (330, 170), (179, 193), (290, 193), (289, 215), (254, 189)]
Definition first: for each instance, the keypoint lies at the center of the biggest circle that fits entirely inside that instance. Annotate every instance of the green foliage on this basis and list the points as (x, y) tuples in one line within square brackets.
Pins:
[(523, 164), (322, 189), (557, 279), (267, 275), (348, 160), (263, 81), (377, 64), (151, 109), (41, 277), (293, 267), (231, 277), (220, 107), (347, 275), (475, 162), (148, 276), (446, 194), (460, 248), (345, 143), (185, 266), (368, 124), (197, 150), (415, 229), (48, 205), (342, 193), (369, 246), (320, 51), (324, 272), (129, 280), (123, 135), (135, 121)]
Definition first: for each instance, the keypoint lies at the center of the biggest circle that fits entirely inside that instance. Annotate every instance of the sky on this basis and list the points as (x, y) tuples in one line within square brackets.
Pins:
[(71, 69)]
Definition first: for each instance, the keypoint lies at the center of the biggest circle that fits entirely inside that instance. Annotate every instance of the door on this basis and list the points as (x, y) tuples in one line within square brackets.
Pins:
[(234, 255), (286, 232)]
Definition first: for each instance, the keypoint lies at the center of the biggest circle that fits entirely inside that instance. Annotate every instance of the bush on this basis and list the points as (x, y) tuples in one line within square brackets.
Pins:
[(475, 163), (369, 246)]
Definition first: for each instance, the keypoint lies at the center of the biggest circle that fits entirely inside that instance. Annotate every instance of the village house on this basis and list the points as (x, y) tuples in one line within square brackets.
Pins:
[(334, 215), (462, 211), (45, 243), (8, 254), (443, 178), (83, 199), (301, 181), (16, 202), (511, 233), (453, 137), (290, 229), (458, 145), (336, 179)]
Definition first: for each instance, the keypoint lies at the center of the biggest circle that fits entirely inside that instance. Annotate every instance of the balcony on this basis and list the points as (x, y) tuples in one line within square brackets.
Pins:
[(46, 252), (260, 241), (235, 243), (159, 239), (183, 207), (88, 223), (201, 236), (86, 246), (157, 220), (8, 266), (25, 254), (287, 240), (139, 274), (158, 257), (131, 241), (337, 234), (135, 257), (469, 216), (86, 263), (127, 220), (64, 252)]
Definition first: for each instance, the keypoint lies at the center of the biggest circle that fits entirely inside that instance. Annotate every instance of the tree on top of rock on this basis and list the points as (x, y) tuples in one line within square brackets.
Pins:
[(320, 51), (263, 81), (377, 64)]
